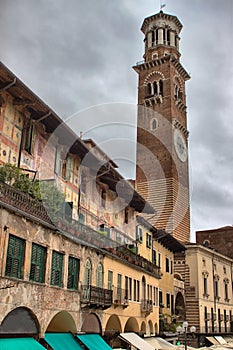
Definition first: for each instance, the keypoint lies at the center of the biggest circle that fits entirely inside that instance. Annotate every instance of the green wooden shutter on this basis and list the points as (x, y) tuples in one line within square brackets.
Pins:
[(68, 168), (58, 162), (99, 277), (15, 257), (37, 263), (56, 269), (73, 273)]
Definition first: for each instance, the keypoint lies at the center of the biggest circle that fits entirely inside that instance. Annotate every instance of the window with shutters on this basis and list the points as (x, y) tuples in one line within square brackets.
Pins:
[(15, 257), (56, 269), (110, 279), (99, 275), (38, 259), (73, 273), (58, 162)]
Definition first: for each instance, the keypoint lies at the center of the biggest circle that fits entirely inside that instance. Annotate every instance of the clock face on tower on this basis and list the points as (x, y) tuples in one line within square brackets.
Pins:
[(180, 146)]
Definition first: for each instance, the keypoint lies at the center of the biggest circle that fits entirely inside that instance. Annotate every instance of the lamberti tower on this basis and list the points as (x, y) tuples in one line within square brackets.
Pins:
[(162, 136)]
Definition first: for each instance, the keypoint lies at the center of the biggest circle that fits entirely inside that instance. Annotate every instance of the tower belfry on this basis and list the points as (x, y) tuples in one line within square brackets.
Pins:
[(162, 146)]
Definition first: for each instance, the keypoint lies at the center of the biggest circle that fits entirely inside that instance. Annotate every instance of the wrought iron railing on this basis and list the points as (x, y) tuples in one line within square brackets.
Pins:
[(96, 296), (147, 305)]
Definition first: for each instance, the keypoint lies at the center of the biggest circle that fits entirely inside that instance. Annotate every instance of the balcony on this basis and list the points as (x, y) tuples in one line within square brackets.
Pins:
[(96, 297), (146, 306), (120, 298), (22, 201), (137, 260)]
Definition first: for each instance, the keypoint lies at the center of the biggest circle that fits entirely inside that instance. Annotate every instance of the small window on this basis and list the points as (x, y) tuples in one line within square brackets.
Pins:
[(148, 240), (168, 300), (167, 264), (154, 124), (73, 273), (149, 89), (15, 257), (154, 258), (29, 137), (38, 258), (139, 234), (56, 269)]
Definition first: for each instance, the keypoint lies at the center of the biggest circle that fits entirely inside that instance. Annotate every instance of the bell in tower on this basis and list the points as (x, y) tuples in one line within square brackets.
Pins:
[(162, 136)]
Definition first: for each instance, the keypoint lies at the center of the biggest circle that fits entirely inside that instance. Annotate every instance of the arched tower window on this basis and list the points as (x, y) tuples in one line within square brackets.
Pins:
[(155, 86), (161, 87), (156, 36), (149, 89), (153, 37)]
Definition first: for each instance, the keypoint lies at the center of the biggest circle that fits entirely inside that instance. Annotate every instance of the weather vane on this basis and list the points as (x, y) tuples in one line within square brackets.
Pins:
[(162, 5)]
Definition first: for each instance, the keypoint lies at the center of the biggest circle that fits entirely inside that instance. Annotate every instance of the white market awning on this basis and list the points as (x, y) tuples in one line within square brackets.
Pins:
[(136, 341)]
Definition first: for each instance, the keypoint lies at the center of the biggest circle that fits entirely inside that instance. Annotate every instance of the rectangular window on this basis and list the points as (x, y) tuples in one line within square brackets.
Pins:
[(15, 257), (29, 136), (58, 162), (139, 234), (138, 291), (205, 286), (168, 300), (134, 290), (56, 269), (126, 288), (148, 240), (167, 264), (130, 288), (67, 169), (160, 298), (38, 258), (119, 282), (159, 260), (110, 279), (73, 273), (172, 304), (171, 267), (154, 258)]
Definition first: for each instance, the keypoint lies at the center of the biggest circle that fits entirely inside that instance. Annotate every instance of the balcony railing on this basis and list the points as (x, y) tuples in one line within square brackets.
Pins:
[(120, 297), (147, 305), (22, 201), (96, 297), (137, 260)]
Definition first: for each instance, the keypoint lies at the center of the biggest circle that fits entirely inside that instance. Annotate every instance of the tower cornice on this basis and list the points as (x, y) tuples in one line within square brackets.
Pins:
[(160, 15), (140, 66)]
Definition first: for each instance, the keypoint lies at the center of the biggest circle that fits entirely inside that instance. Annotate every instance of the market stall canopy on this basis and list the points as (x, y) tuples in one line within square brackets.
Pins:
[(159, 343), (93, 342), (136, 341), (61, 341), (20, 344)]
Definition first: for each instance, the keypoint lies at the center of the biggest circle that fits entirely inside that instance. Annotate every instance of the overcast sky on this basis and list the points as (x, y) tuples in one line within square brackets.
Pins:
[(78, 54)]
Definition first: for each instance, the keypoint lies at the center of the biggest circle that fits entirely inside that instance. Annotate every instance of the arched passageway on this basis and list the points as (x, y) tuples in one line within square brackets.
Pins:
[(143, 328), (20, 321), (180, 307), (113, 324), (131, 325), (62, 322), (91, 324)]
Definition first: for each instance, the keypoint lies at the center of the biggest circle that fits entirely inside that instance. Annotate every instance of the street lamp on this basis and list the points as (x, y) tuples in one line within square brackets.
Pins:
[(183, 329)]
